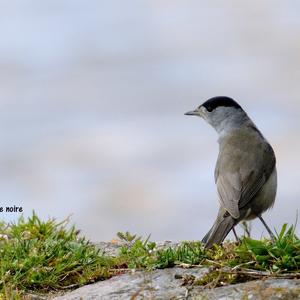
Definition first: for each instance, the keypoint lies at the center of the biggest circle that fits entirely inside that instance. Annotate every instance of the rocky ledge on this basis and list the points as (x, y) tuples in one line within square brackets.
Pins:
[(171, 284)]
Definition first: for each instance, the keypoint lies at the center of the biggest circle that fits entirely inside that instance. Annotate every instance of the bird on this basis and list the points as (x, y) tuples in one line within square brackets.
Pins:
[(245, 172)]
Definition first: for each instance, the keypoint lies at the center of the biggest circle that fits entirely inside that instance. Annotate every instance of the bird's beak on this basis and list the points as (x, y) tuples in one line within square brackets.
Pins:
[(192, 113)]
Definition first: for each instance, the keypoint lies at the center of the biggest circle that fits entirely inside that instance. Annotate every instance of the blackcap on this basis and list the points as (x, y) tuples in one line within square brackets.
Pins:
[(245, 173)]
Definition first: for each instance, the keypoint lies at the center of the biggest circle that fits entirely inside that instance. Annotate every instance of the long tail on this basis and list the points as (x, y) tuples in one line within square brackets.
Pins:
[(219, 230)]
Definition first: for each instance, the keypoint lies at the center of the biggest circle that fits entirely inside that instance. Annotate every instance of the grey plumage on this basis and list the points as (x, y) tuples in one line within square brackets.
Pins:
[(245, 172)]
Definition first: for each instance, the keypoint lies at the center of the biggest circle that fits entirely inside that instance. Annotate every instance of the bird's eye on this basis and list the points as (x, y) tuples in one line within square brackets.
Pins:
[(209, 108)]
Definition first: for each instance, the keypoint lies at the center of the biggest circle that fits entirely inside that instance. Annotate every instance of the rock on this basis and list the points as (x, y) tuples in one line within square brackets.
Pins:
[(168, 284), (270, 289), (158, 284)]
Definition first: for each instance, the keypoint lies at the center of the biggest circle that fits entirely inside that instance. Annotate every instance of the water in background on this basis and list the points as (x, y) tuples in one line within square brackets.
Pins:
[(92, 97)]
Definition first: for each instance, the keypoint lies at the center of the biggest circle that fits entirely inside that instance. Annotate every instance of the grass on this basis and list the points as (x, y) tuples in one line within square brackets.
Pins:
[(43, 256)]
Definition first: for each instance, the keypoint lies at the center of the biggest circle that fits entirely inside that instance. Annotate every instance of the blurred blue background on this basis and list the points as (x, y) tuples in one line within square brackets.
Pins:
[(92, 102)]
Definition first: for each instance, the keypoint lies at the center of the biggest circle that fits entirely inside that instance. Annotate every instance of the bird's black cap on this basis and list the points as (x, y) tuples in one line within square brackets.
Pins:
[(218, 101)]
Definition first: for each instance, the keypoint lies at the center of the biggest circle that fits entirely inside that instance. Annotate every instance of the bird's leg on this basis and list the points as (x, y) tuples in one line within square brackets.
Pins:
[(236, 236), (267, 227)]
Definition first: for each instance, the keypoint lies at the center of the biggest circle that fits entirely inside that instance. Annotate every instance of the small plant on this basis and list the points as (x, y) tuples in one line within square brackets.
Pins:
[(145, 254), (282, 255), (127, 237), (254, 259), (42, 256), (139, 253)]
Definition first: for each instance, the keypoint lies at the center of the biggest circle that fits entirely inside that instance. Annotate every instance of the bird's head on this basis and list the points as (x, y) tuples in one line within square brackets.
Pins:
[(220, 112)]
